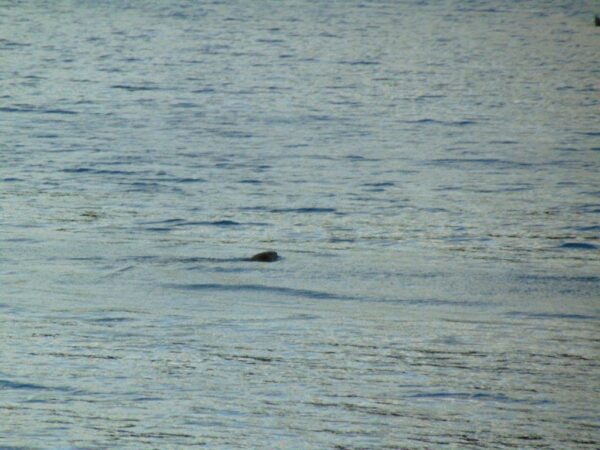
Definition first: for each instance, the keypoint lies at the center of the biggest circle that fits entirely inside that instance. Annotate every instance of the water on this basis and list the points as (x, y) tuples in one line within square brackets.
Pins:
[(428, 172)]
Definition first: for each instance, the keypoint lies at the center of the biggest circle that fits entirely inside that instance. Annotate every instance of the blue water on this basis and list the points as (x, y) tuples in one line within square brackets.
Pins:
[(427, 171)]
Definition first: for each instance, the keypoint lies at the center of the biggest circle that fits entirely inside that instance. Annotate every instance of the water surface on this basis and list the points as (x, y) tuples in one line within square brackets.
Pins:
[(428, 172)]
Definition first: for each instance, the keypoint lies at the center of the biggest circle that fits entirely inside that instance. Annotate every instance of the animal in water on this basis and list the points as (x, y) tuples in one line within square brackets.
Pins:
[(597, 20), (269, 256)]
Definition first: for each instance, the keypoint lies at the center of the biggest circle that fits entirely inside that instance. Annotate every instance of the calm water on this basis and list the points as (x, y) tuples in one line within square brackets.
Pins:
[(428, 172)]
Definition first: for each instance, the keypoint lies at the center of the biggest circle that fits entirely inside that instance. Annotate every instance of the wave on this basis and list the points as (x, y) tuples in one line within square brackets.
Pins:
[(303, 210), (428, 121), (132, 88), (549, 316), (7, 384), (578, 246), (34, 109), (291, 292)]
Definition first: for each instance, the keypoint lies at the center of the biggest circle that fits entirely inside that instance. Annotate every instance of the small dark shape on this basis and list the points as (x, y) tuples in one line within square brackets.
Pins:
[(597, 20), (265, 257)]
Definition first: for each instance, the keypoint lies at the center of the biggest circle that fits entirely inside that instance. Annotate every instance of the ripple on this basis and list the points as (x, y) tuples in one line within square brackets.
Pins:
[(578, 246), (360, 63), (304, 210), (428, 121), (132, 88), (111, 320), (588, 228), (476, 161), (98, 171), (5, 44), (87, 356), (33, 109), (291, 292), (550, 316), (7, 384), (531, 278), (170, 224)]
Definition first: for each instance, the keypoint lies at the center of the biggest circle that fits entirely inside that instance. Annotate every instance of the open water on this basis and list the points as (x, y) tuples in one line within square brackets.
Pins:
[(428, 171)]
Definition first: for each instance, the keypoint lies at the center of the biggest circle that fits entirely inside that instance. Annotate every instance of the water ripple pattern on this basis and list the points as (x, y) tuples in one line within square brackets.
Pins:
[(427, 172)]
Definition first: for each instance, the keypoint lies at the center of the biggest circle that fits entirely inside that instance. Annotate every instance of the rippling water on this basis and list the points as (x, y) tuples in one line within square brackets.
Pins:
[(428, 172)]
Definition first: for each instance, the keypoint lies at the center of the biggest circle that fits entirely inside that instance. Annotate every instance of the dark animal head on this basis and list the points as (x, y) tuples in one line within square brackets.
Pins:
[(265, 257)]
